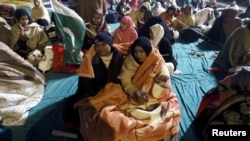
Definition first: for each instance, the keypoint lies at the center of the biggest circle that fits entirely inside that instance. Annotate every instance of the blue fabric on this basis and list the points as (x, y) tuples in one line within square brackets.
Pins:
[(59, 86), (193, 81), (5, 133)]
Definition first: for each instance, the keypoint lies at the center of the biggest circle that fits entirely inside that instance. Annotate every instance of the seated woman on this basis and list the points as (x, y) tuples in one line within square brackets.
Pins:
[(236, 50), (163, 44), (169, 15), (224, 25), (147, 15), (101, 65), (40, 14), (27, 36), (158, 9), (184, 20), (97, 24), (138, 14), (105, 62), (125, 33), (144, 31), (123, 9), (144, 107)]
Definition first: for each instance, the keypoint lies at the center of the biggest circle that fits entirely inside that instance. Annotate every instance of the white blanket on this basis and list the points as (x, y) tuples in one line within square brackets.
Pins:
[(21, 87)]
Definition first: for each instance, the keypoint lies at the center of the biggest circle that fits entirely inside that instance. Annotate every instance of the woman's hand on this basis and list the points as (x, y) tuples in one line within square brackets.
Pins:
[(161, 80), (140, 97), (22, 36)]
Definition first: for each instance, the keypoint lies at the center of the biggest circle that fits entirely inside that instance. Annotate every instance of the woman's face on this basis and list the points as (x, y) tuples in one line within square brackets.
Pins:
[(36, 3), (140, 54), (171, 12), (187, 10), (97, 19), (24, 20), (123, 25), (102, 49)]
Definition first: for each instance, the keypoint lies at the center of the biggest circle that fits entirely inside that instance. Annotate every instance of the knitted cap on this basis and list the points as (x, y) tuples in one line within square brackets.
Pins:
[(105, 37)]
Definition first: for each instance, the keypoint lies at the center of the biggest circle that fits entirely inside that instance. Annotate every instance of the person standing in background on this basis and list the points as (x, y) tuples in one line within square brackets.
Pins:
[(96, 25), (85, 8)]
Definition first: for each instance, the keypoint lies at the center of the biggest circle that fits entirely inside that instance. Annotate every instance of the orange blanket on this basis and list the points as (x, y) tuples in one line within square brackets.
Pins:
[(113, 116), (86, 69)]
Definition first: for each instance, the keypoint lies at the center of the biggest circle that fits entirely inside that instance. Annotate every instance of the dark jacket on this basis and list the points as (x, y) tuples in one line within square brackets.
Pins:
[(166, 50), (90, 86)]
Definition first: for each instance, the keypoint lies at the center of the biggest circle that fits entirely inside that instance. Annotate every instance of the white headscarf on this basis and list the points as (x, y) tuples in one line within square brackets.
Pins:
[(158, 33), (158, 9)]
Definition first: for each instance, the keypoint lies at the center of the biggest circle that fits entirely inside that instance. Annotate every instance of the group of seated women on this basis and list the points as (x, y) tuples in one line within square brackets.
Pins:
[(27, 33), (125, 97)]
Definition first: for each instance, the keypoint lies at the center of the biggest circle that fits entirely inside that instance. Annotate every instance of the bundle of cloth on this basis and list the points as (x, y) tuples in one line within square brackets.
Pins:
[(21, 87)]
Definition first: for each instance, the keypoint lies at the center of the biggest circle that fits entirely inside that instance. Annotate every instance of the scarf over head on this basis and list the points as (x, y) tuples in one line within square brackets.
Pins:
[(158, 33), (144, 42), (126, 35), (40, 12), (21, 12), (158, 9)]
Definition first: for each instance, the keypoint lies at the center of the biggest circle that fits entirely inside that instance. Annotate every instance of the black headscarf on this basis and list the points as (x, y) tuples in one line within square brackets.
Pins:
[(144, 42), (21, 12), (144, 31)]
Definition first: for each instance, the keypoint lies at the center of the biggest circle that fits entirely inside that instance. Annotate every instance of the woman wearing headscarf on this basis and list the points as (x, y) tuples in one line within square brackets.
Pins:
[(138, 14), (27, 36), (85, 8), (144, 31), (134, 4), (158, 9), (236, 50), (144, 107), (123, 9), (162, 43), (185, 20), (169, 15), (40, 14), (96, 25), (125, 33), (224, 25), (101, 65)]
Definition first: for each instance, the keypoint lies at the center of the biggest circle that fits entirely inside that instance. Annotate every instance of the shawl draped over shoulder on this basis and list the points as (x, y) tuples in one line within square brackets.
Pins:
[(112, 115), (35, 34)]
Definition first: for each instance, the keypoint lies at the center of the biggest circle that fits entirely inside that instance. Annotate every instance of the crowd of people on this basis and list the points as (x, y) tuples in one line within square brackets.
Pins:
[(129, 95)]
